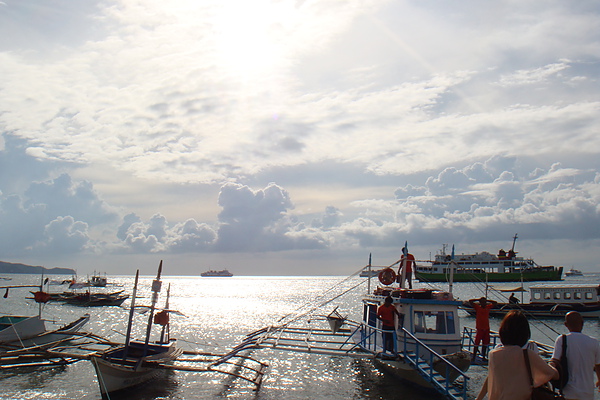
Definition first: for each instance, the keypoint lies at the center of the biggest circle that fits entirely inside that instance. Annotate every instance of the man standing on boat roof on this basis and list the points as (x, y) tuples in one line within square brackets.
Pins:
[(482, 308), (583, 358), (407, 261)]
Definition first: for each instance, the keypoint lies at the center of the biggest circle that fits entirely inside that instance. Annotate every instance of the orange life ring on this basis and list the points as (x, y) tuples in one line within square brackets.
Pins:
[(387, 276)]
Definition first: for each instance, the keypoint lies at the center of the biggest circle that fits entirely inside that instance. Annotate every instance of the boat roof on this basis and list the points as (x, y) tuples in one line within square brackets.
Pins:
[(509, 288), (565, 286)]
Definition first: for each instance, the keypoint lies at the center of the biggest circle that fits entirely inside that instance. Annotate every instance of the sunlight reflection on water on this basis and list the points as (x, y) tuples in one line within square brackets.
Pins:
[(219, 312)]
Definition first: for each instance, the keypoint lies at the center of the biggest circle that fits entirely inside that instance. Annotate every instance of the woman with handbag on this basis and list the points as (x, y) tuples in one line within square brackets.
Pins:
[(508, 377)]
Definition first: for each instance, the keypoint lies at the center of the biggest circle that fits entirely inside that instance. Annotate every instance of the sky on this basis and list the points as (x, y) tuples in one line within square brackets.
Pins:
[(297, 137)]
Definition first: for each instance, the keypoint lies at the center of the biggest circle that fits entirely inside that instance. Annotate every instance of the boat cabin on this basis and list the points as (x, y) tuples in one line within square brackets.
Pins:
[(431, 316), (565, 294)]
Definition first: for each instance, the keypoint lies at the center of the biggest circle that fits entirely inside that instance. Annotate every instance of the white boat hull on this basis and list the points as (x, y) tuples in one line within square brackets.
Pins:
[(112, 377), (115, 375), (17, 328), (31, 331)]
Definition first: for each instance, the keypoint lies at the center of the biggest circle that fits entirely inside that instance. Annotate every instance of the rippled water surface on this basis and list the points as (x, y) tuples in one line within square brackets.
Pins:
[(218, 312)]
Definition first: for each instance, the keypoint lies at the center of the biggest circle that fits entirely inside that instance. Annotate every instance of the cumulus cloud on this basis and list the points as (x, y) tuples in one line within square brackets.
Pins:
[(51, 216), (259, 220)]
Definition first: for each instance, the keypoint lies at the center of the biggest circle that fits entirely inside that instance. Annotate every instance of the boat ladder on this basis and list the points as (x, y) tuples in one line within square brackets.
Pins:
[(420, 357)]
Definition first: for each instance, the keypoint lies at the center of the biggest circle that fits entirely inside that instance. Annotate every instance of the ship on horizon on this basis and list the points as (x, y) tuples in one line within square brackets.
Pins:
[(213, 273)]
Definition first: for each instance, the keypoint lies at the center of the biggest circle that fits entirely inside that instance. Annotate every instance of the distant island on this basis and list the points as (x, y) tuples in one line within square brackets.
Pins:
[(14, 268)]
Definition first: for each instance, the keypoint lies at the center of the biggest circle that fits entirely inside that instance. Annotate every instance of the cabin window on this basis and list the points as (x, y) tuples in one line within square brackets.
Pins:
[(588, 295), (547, 296), (537, 295), (440, 322), (577, 296), (419, 322), (450, 322), (567, 295), (557, 295)]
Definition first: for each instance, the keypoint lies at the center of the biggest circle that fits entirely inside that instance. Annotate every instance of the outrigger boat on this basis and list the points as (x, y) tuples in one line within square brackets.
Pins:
[(427, 339), (131, 364), (550, 301), (17, 331), (139, 361)]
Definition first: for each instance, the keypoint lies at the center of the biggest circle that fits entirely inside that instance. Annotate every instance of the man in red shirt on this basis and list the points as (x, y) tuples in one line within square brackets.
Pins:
[(386, 313), (406, 261), (482, 308)]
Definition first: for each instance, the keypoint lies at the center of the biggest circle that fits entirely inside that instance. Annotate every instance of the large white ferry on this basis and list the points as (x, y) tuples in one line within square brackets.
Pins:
[(213, 273)]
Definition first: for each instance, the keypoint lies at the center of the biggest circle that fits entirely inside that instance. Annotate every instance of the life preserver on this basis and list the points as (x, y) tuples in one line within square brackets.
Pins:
[(387, 276)]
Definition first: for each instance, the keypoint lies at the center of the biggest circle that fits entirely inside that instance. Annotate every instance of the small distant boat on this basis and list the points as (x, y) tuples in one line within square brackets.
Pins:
[(573, 272), (98, 280), (372, 273), (88, 299), (485, 267), (551, 301), (213, 273)]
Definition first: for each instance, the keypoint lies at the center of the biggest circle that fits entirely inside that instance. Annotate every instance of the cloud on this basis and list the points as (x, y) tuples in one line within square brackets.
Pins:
[(51, 216), (327, 126)]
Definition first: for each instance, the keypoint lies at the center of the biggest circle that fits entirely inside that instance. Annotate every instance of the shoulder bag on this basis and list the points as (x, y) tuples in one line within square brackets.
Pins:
[(543, 392)]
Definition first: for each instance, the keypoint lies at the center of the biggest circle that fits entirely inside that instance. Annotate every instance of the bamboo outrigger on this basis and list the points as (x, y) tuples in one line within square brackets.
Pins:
[(122, 365)]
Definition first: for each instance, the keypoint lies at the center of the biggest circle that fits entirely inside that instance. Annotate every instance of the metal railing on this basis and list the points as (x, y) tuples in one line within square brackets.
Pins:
[(419, 356)]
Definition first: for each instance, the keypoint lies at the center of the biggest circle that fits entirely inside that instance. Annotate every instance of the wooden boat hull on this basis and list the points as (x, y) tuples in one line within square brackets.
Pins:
[(15, 328), (34, 332), (115, 374), (541, 275), (112, 377)]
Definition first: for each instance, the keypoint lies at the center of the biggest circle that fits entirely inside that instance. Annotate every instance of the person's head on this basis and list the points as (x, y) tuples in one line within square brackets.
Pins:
[(483, 301), (388, 300), (514, 329), (574, 321)]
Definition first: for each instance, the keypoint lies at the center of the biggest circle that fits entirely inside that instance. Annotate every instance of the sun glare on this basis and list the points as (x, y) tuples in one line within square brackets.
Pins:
[(251, 36)]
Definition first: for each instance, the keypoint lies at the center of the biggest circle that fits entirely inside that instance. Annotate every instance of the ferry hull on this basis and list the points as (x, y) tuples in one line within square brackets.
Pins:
[(554, 275)]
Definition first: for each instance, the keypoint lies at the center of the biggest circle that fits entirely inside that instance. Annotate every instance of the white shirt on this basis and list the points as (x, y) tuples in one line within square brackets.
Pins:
[(583, 353)]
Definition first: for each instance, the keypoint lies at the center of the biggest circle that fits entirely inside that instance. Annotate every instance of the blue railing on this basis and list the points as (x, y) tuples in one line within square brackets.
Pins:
[(419, 356)]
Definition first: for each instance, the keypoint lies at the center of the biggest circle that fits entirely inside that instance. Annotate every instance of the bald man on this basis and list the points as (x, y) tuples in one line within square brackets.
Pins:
[(583, 358)]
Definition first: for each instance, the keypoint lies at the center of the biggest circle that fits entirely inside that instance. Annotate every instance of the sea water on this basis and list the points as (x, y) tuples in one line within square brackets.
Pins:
[(217, 313)]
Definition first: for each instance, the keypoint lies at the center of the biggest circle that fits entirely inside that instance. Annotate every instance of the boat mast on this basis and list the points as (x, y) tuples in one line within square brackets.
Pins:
[(166, 326), (451, 283), (513, 245), (156, 285), (131, 311), (369, 272)]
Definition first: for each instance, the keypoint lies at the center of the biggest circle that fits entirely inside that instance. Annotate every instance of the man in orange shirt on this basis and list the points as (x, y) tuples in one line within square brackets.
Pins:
[(386, 313), (406, 261), (482, 308)]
